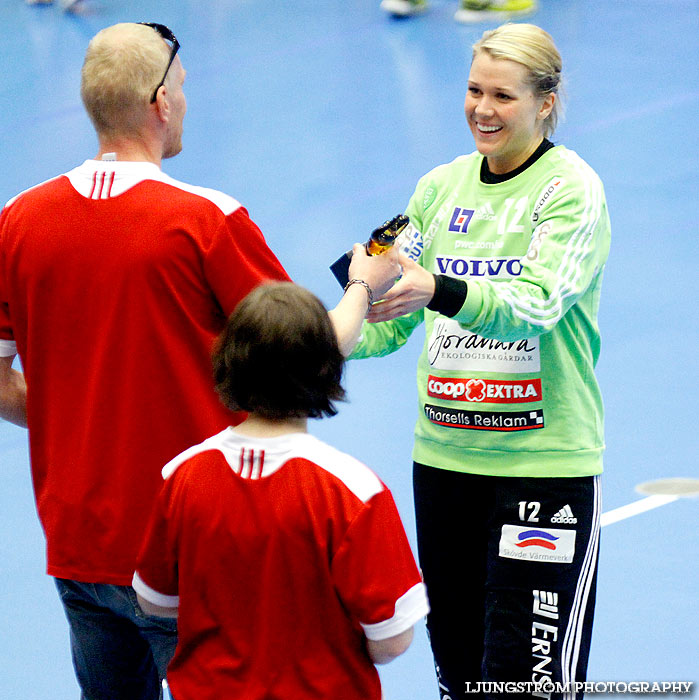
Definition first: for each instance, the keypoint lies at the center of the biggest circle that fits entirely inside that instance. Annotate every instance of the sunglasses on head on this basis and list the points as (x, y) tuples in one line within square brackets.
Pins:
[(166, 34)]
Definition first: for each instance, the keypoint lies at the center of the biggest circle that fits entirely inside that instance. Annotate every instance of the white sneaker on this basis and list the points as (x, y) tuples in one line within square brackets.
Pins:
[(403, 8), (68, 5)]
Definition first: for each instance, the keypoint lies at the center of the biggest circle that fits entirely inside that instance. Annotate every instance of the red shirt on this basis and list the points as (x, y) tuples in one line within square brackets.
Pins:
[(114, 281), (283, 554)]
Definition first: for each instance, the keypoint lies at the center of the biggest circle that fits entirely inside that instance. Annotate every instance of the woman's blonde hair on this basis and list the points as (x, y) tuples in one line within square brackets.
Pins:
[(122, 66), (533, 48)]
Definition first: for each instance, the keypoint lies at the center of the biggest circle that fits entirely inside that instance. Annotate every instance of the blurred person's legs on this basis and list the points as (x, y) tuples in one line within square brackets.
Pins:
[(65, 4), (469, 11), (403, 8), (493, 10), (119, 653)]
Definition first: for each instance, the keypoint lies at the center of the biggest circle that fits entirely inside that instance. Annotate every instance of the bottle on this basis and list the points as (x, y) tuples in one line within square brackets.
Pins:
[(383, 237)]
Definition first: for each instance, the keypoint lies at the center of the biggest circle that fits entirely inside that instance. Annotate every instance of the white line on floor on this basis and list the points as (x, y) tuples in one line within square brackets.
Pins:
[(648, 503)]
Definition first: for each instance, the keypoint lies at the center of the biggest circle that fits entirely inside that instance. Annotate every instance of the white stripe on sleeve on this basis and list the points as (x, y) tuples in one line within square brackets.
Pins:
[(411, 607), (152, 596)]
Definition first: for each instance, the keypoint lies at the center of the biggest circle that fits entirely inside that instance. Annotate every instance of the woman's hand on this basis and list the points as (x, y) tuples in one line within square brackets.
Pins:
[(413, 291)]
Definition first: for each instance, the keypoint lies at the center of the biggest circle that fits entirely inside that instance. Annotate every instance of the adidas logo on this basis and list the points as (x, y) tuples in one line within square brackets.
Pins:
[(485, 212), (565, 516)]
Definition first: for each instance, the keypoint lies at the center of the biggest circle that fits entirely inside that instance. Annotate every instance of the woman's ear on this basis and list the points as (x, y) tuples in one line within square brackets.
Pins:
[(547, 105)]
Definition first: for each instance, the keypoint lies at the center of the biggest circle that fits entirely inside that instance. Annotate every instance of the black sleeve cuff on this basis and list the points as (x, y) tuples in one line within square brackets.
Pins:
[(449, 295)]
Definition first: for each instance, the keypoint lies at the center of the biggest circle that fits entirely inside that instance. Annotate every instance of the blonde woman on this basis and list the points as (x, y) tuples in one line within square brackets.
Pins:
[(508, 248)]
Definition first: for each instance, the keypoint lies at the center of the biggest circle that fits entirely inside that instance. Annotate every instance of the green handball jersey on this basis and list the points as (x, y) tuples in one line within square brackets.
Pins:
[(506, 386)]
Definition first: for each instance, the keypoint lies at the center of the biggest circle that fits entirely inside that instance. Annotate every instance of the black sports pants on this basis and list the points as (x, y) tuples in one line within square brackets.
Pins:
[(510, 565)]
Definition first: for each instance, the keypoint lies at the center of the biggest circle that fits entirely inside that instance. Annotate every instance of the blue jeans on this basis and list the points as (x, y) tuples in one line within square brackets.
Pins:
[(119, 652)]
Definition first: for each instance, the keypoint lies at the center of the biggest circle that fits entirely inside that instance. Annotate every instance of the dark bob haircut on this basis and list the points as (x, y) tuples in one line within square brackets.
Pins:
[(278, 356)]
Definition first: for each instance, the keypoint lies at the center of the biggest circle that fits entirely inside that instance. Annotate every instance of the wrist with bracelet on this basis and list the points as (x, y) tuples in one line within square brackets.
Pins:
[(363, 284)]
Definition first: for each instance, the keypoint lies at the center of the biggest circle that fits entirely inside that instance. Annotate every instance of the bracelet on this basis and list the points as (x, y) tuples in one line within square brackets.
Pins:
[(365, 285)]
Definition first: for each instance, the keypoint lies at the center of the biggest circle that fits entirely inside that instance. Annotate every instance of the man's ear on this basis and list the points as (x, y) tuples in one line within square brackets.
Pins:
[(162, 103)]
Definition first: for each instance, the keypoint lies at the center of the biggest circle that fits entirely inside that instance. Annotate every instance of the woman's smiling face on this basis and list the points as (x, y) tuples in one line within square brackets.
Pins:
[(503, 112)]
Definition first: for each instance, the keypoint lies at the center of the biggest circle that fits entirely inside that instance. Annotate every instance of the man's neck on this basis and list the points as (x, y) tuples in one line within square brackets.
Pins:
[(129, 150)]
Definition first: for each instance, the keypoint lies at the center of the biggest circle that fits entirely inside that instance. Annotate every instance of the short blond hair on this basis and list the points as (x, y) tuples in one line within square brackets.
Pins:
[(533, 48), (122, 66)]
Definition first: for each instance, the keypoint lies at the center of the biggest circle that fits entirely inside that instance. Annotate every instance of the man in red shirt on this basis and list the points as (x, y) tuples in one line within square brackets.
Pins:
[(115, 279), (285, 559)]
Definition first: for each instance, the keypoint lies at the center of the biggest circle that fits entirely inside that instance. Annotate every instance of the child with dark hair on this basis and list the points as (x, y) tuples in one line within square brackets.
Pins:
[(284, 559), (278, 357)]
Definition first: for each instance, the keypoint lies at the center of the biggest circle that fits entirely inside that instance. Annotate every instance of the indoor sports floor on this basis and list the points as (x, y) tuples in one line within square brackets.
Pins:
[(320, 116)]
